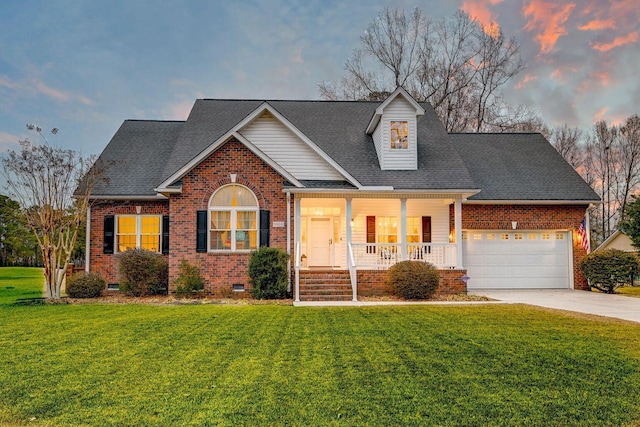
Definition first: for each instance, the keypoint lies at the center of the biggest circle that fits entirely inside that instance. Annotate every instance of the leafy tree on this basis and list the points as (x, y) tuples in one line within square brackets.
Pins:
[(53, 186), (454, 64), (17, 245), (631, 223)]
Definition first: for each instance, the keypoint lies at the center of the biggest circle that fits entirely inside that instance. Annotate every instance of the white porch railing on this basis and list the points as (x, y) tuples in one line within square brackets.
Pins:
[(297, 271), (353, 275), (383, 255)]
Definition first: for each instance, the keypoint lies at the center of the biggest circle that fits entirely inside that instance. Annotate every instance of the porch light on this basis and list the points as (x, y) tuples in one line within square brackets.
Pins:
[(353, 221), (452, 237)]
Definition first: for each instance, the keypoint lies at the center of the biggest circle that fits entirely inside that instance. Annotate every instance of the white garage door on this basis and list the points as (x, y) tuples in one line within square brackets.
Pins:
[(517, 260)]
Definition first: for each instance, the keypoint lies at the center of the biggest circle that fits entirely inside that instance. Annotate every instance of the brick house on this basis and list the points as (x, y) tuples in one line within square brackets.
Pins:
[(347, 188)]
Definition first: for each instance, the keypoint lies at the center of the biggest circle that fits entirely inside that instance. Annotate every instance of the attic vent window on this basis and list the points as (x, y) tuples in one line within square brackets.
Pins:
[(399, 134)]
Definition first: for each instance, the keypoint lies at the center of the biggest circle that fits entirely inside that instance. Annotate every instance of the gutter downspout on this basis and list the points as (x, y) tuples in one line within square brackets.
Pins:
[(87, 241)]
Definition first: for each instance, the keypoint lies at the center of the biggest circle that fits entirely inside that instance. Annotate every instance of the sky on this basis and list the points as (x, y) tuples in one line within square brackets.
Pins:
[(86, 66)]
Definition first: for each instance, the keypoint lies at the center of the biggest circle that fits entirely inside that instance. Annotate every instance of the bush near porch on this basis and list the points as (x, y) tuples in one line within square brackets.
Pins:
[(374, 283)]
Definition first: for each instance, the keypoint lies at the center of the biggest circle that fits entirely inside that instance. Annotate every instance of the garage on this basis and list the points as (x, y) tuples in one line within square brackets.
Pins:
[(507, 259)]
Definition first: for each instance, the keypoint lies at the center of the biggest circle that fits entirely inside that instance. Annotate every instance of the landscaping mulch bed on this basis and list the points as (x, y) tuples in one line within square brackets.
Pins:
[(119, 298)]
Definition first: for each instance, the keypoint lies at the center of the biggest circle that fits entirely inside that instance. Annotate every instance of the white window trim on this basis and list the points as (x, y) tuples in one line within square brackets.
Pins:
[(233, 221), (138, 231)]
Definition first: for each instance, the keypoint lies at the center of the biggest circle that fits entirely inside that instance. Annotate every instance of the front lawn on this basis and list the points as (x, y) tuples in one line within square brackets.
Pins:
[(143, 365), (20, 282), (632, 291)]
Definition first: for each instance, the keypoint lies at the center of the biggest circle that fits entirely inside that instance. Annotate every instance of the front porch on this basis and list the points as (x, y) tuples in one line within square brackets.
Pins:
[(364, 236)]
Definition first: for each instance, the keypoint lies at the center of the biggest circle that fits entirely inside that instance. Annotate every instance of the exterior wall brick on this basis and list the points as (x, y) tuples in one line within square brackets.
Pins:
[(223, 269), (530, 217), (106, 264), (374, 282)]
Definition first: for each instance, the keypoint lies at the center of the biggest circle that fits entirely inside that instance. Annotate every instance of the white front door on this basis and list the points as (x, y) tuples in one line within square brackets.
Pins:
[(320, 235)]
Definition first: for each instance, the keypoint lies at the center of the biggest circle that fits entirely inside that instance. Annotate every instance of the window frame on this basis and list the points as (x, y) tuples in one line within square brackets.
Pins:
[(233, 222), (396, 127), (138, 232)]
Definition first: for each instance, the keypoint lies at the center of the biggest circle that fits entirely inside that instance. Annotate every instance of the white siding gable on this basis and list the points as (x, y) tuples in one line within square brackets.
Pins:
[(397, 158), (278, 142)]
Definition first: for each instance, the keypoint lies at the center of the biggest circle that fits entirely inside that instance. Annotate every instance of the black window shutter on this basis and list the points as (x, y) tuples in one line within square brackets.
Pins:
[(426, 229), (108, 241), (201, 226), (165, 234), (265, 223)]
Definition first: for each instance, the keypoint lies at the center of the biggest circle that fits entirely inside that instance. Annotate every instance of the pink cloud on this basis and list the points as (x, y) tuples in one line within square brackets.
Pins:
[(547, 19), (527, 78), (9, 141), (4, 81), (618, 41), (479, 10)]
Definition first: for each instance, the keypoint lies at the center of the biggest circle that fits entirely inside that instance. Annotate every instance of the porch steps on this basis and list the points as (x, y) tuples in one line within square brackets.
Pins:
[(325, 285)]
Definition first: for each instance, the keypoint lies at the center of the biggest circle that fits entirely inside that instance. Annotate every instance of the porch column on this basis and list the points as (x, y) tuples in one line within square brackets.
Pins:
[(296, 222), (403, 229), (458, 231), (348, 214)]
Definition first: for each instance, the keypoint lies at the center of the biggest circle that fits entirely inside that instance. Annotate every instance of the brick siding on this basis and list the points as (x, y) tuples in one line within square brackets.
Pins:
[(223, 269), (374, 282)]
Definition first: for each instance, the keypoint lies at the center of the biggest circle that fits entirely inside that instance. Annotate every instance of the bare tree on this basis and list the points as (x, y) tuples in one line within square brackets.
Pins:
[(53, 187), (452, 63), (629, 161), (566, 140)]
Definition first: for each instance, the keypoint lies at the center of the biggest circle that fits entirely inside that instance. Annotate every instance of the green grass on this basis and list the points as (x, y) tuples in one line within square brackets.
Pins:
[(632, 291), (20, 282), (141, 365)]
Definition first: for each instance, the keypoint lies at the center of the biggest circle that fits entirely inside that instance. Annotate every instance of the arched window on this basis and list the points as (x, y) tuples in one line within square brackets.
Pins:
[(233, 219)]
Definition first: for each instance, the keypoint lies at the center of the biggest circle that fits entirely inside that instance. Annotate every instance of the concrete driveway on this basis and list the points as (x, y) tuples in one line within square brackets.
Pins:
[(626, 308)]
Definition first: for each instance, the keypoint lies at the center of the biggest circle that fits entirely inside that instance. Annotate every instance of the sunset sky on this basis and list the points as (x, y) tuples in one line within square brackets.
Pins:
[(85, 66)]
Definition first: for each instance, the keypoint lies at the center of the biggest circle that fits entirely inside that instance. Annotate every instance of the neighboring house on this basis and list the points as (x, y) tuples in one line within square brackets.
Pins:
[(618, 240), (347, 188)]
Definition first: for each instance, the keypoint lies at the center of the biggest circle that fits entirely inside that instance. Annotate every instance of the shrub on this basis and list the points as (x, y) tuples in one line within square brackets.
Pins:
[(189, 279), (85, 285), (142, 272), (268, 273), (413, 280), (606, 270)]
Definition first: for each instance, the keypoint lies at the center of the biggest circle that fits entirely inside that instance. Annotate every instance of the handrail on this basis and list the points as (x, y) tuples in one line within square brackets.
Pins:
[(297, 272), (353, 275)]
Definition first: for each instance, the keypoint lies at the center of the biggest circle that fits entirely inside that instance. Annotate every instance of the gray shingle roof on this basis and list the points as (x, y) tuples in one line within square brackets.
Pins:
[(136, 157), (143, 154), (520, 166)]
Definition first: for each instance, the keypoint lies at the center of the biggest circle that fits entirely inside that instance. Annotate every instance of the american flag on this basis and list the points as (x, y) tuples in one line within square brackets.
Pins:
[(582, 232)]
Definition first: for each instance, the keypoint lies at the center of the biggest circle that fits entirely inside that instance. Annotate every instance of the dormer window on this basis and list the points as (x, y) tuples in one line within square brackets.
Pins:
[(399, 134)]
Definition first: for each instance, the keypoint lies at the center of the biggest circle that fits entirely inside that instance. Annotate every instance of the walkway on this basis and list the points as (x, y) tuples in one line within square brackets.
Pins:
[(620, 307)]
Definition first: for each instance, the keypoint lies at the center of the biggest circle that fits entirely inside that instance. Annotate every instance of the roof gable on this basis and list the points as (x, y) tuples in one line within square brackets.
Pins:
[(235, 131), (399, 92)]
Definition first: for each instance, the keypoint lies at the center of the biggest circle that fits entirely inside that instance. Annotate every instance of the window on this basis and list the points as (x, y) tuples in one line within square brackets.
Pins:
[(138, 231), (518, 236), (387, 227), (532, 236), (491, 236), (233, 219), (399, 134), (413, 229)]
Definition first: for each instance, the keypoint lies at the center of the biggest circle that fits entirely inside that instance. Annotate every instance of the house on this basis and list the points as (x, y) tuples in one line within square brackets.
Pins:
[(618, 240), (347, 188)]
